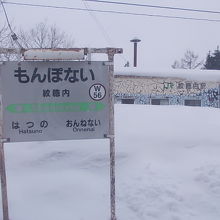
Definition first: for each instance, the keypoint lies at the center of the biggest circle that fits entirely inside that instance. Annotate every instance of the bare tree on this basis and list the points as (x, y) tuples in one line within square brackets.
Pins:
[(189, 61), (43, 35), (6, 42), (4, 34)]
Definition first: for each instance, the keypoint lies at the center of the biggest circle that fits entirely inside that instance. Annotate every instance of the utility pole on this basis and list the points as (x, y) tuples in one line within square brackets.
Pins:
[(135, 41)]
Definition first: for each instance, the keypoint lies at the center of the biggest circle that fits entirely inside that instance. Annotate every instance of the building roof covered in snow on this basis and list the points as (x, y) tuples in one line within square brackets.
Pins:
[(188, 74)]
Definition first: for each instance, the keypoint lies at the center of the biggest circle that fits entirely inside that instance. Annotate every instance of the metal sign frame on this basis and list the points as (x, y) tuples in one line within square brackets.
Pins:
[(87, 52)]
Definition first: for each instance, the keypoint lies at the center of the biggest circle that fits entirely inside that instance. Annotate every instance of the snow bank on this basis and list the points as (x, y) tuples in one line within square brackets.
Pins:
[(168, 168), (200, 75)]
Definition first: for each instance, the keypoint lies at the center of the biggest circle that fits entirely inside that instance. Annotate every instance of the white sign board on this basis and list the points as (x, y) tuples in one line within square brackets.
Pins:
[(60, 100)]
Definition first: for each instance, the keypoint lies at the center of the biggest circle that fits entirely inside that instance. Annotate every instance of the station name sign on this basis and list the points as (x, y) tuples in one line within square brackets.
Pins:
[(54, 100)]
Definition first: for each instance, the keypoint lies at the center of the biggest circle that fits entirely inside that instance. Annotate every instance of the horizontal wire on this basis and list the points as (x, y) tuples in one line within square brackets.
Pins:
[(112, 12), (155, 6)]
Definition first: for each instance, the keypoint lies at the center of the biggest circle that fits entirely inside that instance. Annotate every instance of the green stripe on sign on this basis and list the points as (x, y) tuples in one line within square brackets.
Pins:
[(56, 107)]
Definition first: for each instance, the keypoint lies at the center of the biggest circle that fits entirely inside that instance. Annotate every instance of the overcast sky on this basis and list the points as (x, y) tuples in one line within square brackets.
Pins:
[(163, 40)]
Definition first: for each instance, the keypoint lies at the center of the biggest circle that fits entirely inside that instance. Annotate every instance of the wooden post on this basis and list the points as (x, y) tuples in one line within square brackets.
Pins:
[(112, 134), (2, 168), (3, 183)]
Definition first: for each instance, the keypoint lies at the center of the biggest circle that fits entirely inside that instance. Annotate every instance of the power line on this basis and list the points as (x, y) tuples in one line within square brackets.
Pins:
[(155, 6), (100, 26), (113, 12), (14, 36), (6, 16)]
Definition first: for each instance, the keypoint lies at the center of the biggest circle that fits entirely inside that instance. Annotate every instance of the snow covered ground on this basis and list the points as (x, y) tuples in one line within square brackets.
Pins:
[(168, 168)]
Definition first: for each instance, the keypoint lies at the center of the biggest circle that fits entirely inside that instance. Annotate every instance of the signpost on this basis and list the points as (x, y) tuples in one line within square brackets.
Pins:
[(57, 100)]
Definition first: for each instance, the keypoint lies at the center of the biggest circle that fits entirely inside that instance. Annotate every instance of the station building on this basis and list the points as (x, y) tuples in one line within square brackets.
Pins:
[(171, 87)]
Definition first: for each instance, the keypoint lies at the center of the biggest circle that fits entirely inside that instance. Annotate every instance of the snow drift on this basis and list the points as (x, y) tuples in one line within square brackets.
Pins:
[(167, 168)]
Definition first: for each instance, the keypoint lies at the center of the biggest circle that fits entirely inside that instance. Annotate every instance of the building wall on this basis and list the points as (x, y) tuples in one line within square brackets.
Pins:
[(176, 90)]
